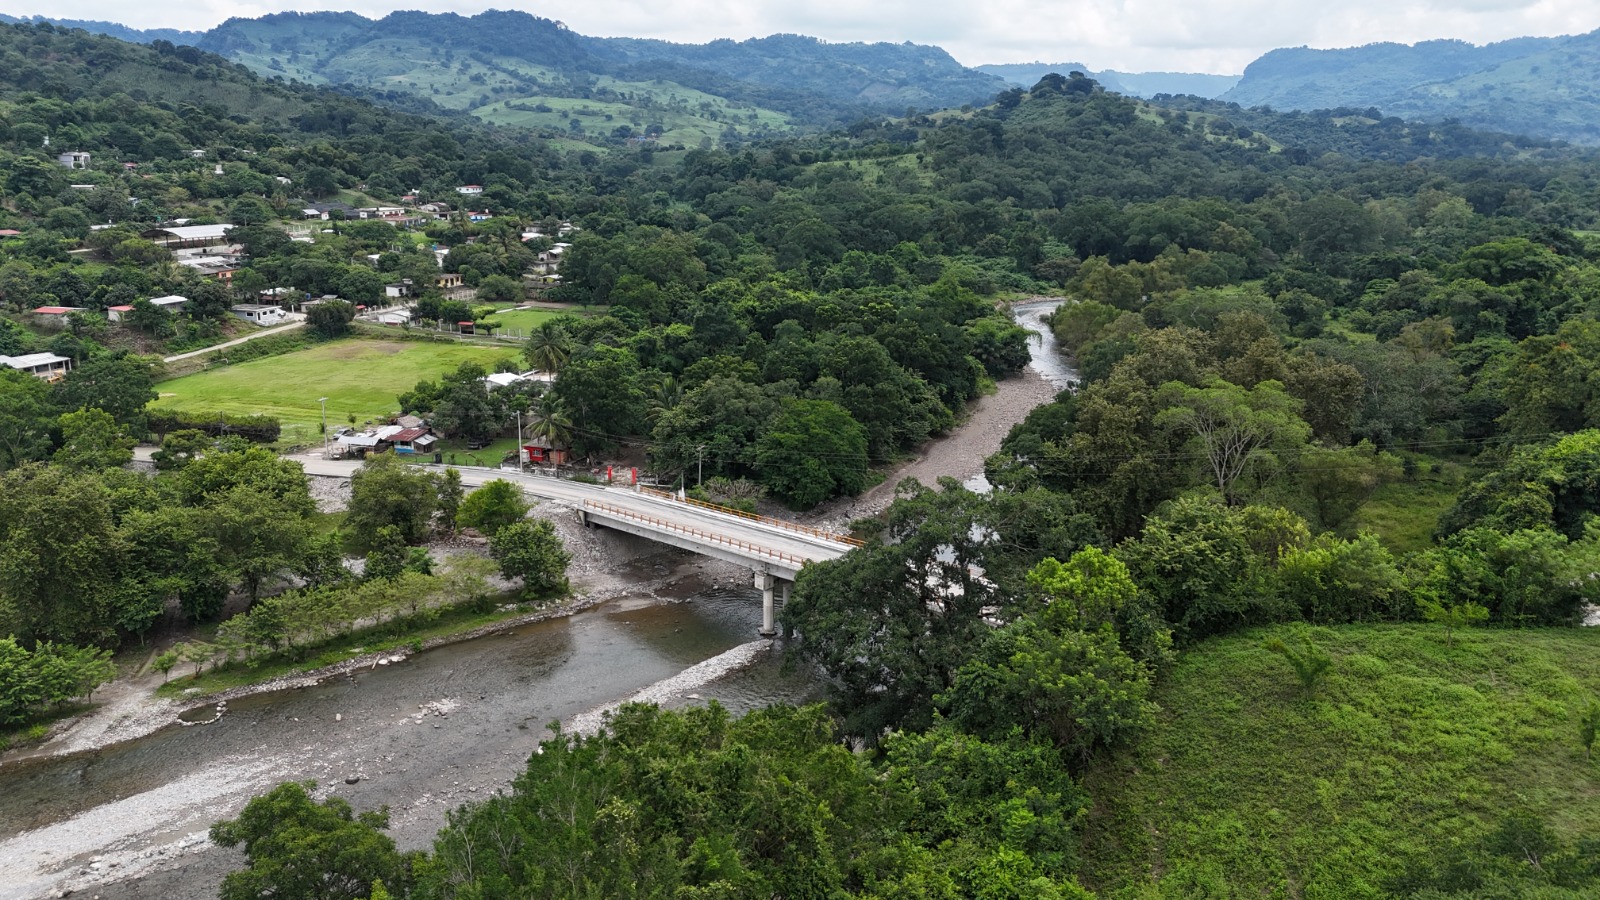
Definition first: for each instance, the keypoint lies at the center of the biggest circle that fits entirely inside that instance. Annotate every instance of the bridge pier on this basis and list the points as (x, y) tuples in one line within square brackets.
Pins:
[(765, 584)]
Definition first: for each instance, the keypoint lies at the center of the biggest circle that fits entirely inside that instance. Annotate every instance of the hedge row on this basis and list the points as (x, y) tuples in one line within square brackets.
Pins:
[(261, 429)]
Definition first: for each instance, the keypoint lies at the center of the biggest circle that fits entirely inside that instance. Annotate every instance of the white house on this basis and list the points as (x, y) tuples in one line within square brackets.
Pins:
[(260, 313), (170, 303), (48, 366), (74, 159), (467, 189)]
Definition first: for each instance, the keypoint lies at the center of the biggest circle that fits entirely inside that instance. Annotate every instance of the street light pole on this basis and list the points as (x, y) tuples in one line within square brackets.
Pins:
[(520, 451), (324, 402)]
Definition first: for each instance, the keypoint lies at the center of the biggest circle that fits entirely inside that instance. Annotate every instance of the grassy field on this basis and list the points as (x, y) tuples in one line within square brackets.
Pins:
[(1249, 789), (1403, 514), (524, 320), (359, 377)]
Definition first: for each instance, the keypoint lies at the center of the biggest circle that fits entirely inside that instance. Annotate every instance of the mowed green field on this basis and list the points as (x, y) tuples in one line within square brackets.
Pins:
[(523, 320), (359, 377)]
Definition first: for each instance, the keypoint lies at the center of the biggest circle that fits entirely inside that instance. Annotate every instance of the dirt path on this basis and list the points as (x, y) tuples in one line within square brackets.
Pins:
[(269, 332)]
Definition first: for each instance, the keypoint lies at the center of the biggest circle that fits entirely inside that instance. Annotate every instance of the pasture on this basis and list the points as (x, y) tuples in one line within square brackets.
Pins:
[(360, 378)]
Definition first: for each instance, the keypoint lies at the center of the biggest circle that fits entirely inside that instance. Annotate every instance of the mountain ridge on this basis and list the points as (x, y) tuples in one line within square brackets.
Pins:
[(1527, 85)]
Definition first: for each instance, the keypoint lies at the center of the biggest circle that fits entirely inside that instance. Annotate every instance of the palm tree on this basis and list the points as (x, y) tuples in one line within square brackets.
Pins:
[(549, 347), (551, 422), (667, 394)]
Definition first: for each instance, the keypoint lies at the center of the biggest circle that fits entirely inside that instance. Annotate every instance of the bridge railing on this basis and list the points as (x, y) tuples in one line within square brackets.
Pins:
[(696, 533), (753, 517)]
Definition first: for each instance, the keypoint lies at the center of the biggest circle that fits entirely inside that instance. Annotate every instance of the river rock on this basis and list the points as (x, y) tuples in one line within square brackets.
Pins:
[(352, 779)]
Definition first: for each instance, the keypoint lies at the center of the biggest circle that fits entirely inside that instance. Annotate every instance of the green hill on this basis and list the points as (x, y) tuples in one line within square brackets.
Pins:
[(512, 67), (1408, 751)]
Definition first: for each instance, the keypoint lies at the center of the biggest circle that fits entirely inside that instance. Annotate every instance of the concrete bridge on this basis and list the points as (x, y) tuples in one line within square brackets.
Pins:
[(773, 549)]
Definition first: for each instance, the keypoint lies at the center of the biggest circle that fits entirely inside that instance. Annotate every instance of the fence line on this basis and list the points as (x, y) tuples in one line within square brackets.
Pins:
[(754, 517), (664, 525)]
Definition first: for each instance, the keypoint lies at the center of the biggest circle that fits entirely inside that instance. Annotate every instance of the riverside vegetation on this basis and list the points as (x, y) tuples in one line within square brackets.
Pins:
[(1276, 340)]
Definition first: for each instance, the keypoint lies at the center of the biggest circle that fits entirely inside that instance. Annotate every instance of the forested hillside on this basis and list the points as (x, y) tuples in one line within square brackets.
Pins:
[(1532, 86), (514, 68), (1336, 387)]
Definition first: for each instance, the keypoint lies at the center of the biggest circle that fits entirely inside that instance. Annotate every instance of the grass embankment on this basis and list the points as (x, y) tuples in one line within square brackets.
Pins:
[(360, 378), (394, 635), (1248, 789)]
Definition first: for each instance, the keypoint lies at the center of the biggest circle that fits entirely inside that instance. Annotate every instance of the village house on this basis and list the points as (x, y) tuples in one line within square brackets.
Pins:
[(221, 268), (170, 303), (263, 314), (470, 190), (413, 440), (448, 280), (74, 159), (544, 453), (47, 366), (401, 288), (117, 313)]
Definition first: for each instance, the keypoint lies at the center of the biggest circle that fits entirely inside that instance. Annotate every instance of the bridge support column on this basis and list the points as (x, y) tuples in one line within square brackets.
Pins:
[(765, 583), (783, 597)]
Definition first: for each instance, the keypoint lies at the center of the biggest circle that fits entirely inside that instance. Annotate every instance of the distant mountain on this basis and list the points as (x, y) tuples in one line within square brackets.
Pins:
[(1543, 87), (112, 29), (514, 68), (1133, 84)]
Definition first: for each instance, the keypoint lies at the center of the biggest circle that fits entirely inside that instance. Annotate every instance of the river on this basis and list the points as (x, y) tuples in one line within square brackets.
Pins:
[(422, 736)]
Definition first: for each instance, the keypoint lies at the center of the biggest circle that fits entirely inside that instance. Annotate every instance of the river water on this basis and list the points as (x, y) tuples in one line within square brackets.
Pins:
[(423, 736), (1045, 358)]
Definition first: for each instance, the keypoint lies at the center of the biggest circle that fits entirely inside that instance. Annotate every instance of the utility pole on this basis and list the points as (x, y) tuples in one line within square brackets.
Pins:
[(324, 402), (700, 464), (520, 452)]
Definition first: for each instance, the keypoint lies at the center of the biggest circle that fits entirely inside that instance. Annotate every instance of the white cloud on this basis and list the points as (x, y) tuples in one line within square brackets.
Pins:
[(1130, 35)]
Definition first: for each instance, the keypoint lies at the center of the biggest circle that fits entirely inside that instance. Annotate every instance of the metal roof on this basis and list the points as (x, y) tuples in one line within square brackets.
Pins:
[(29, 361)]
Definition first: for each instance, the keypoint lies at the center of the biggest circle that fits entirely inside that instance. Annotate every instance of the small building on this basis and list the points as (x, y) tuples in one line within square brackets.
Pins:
[(9, 232), (178, 236), (263, 314), (281, 179), (544, 453), (74, 159), (170, 303), (118, 313), (448, 280), (221, 268), (360, 443), (395, 317), (401, 288), (503, 379), (480, 216), (470, 190), (413, 440), (47, 366), (55, 310)]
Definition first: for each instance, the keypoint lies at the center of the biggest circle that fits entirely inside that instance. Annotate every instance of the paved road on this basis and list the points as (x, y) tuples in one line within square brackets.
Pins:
[(773, 537), (767, 536), (265, 332)]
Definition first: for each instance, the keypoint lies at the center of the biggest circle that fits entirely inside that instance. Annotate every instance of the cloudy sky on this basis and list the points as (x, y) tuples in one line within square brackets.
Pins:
[(1129, 35)]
